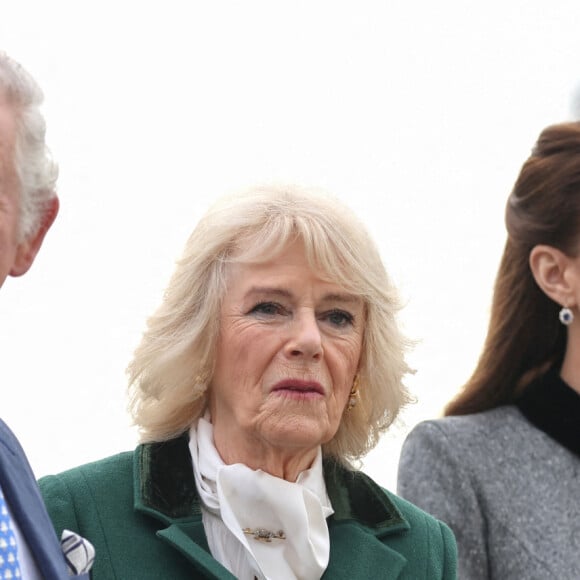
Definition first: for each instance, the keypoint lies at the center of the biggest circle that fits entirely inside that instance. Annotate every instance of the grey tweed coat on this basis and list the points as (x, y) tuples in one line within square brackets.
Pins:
[(510, 493)]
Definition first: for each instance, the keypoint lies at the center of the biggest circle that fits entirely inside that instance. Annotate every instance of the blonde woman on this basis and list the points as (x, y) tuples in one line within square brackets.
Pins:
[(273, 363)]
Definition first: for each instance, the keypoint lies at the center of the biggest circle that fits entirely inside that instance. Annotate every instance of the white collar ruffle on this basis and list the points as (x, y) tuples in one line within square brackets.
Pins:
[(242, 498)]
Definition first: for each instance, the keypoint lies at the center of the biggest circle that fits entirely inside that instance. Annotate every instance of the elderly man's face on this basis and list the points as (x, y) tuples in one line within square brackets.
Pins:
[(287, 355), (15, 256), (8, 193)]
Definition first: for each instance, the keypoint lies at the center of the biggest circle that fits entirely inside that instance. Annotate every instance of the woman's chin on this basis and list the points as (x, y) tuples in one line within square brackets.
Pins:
[(300, 431)]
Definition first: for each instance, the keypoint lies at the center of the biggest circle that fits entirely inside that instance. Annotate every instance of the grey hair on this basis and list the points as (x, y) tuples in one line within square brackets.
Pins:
[(173, 366), (37, 173)]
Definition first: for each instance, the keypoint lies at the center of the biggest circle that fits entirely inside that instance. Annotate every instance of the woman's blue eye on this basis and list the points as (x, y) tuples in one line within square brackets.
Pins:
[(340, 318)]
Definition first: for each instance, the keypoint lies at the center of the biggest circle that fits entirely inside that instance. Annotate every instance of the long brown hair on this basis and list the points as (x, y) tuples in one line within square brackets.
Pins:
[(525, 337)]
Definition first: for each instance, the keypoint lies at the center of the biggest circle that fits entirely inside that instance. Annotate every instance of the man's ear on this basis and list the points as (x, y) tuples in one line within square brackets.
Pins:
[(27, 249), (553, 271)]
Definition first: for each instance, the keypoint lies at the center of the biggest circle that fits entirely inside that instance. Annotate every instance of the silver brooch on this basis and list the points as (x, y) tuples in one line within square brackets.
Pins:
[(264, 535)]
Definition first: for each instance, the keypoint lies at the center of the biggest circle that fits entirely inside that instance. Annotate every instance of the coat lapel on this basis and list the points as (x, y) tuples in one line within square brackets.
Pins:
[(165, 489), (190, 540), (356, 553), (23, 496), (363, 515)]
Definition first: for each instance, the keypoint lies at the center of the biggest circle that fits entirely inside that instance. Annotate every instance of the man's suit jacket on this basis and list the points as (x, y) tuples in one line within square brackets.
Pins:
[(22, 495), (142, 512)]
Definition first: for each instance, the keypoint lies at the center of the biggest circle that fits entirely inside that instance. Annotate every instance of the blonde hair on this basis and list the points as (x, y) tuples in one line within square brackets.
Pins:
[(173, 366)]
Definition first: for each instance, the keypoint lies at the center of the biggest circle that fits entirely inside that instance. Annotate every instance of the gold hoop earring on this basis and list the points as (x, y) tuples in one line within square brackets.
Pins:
[(353, 396)]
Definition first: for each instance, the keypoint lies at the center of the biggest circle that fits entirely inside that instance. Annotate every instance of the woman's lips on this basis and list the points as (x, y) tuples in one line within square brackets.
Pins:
[(299, 389)]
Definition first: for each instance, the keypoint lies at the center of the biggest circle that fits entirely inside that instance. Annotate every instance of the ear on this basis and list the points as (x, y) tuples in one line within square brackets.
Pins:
[(27, 249), (553, 271)]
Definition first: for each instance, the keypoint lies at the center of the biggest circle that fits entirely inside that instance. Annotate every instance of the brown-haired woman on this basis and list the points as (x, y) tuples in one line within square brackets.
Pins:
[(502, 469)]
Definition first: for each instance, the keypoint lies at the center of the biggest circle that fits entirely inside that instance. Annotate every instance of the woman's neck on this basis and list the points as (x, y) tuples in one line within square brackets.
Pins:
[(570, 372), (286, 464)]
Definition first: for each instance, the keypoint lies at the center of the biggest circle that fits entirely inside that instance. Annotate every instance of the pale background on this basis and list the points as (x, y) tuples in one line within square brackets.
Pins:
[(417, 114)]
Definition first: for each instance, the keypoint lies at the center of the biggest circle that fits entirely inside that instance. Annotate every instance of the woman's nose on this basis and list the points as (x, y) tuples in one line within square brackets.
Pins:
[(305, 338)]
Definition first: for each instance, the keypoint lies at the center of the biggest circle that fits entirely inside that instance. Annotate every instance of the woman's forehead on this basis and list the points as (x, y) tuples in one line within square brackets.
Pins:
[(287, 275), (323, 256)]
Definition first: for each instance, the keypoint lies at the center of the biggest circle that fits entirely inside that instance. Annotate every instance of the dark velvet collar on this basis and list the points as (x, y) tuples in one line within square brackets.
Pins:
[(165, 485), (554, 408)]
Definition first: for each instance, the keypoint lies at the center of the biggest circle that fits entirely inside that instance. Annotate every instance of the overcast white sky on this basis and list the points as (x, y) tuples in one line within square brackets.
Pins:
[(417, 114)]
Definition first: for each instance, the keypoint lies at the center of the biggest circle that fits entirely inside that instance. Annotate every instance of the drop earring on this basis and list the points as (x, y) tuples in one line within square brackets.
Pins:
[(566, 316), (353, 396)]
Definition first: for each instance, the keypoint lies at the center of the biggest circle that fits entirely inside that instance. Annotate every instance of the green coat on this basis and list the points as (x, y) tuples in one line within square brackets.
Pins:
[(142, 512)]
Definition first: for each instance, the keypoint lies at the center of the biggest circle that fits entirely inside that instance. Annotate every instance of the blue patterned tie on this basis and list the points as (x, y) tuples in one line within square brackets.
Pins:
[(9, 566)]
